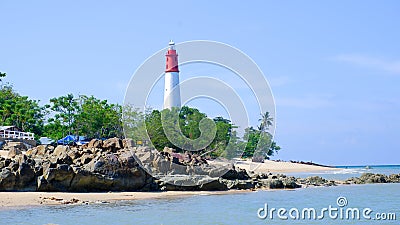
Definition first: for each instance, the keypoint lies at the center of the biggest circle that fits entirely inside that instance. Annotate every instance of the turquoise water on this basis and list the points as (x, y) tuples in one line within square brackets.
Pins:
[(218, 209), (346, 172)]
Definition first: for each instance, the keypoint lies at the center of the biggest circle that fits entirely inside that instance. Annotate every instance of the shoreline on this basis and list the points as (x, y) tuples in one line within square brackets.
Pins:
[(270, 166), (12, 200), (21, 200)]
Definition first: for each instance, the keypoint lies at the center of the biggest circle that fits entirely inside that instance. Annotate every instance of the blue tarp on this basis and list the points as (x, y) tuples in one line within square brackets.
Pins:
[(69, 139)]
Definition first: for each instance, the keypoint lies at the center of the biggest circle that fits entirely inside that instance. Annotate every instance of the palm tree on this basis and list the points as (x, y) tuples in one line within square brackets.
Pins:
[(266, 121)]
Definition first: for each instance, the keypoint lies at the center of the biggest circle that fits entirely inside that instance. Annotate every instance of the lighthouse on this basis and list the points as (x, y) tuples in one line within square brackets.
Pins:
[(172, 96)]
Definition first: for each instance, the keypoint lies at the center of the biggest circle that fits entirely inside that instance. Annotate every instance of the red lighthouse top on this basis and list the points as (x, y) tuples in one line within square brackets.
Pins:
[(172, 58)]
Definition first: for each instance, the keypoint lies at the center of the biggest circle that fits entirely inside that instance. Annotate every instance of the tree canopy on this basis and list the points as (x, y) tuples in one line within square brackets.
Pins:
[(20, 111), (83, 116), (188, 128)]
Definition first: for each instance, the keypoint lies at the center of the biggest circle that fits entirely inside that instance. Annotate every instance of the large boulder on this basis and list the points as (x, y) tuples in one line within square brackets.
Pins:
[(61, 149), (40, 151), (16, 144), (84, 181), (234, 174), (56, 179), (8, 180), (113, 144), (128, 143), (26, 177), (95, 143), (13, 151), (370, 178)]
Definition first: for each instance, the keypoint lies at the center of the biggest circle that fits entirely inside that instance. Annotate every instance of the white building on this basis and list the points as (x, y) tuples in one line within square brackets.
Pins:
[(12, 132)]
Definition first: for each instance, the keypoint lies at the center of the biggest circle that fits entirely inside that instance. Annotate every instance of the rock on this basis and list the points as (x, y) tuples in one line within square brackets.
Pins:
[(13, 151), (7, 162), (370, 178), (31, 152), (26, 177), (271, 183), (168, 150), (215, 185), (316, 181), (394, 178), (60, 149), (128, 143), (7, 180), (38, 151), (84, 181), (63, 158), (112, 144), (74, 154), (290, 183), (95, 143), (57, 179), (244, 185), (15, 144), (13, 166), (86, 158)]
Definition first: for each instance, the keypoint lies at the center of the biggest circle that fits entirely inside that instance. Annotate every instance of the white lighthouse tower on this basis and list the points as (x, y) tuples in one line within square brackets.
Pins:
[(172, 95)]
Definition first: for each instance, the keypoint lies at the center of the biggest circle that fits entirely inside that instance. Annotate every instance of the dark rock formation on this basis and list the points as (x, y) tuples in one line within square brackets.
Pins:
[(371, 178), (116, 165)]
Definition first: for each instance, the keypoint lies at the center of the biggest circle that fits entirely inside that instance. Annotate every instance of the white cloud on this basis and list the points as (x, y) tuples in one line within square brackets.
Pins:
[(372, 62)]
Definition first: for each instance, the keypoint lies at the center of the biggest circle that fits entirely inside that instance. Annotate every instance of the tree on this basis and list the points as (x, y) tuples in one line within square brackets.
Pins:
[(134, 123), (259, 142), (20, 111), (65, 108), (84, 116), (97, 118), (265, 121), (184, 126), (155, 130), (2, 75)]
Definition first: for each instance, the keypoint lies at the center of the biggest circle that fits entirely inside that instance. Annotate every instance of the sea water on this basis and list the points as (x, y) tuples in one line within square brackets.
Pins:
[(345, 172), (260, 207)]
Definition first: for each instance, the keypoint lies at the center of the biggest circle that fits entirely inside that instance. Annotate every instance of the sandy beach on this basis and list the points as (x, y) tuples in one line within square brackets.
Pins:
[(24, 199), (280, 167)]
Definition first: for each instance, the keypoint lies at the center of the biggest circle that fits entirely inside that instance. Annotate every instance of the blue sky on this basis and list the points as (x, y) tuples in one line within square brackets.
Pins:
[(334, 66)]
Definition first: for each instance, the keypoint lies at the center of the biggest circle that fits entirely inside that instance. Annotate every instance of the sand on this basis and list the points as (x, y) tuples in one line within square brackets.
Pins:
[(280, 167), (24, 199)]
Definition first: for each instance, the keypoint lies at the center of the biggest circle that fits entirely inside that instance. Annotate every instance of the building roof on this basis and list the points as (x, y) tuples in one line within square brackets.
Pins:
[(6, 127)]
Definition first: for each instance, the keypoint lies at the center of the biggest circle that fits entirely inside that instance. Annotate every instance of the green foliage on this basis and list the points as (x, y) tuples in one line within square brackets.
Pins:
[(94, 118), (134, 123), (260, 142), (65, 108), (20, 111), (155, 130), (2, 75), (54, 129), (84, 116), (191, 129), (97, 118), (265, 121)]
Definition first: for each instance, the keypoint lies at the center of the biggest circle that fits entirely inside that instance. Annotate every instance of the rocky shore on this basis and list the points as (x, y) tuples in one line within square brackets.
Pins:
[(117, 165)]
